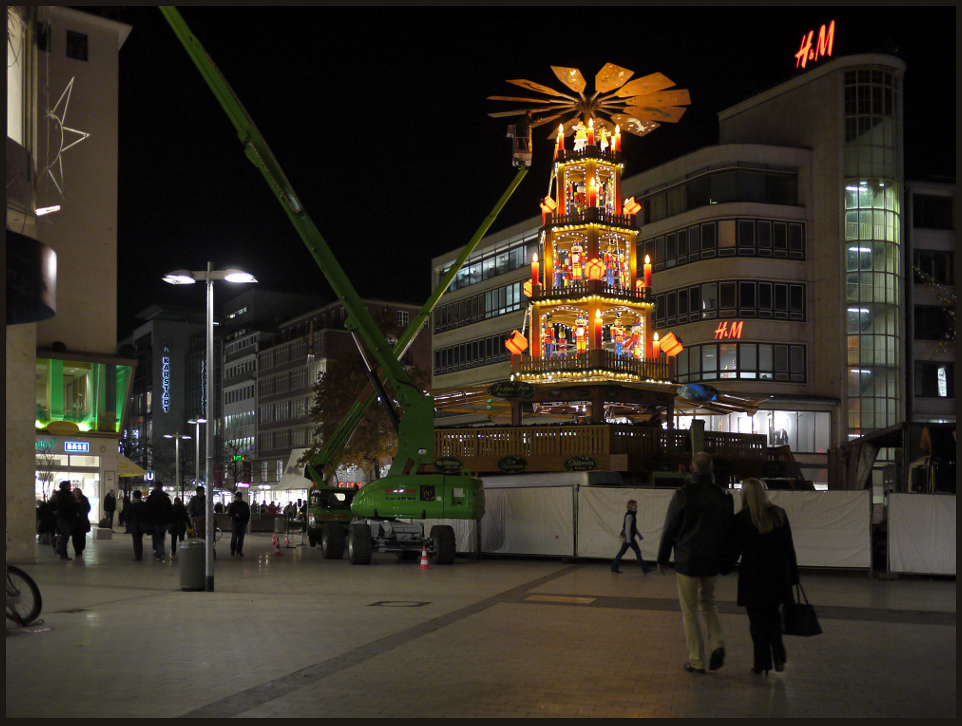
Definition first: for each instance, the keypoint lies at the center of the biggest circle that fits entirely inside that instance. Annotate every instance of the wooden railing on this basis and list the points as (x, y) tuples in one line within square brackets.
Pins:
[(616, 447), (580, 288), (592, 360)]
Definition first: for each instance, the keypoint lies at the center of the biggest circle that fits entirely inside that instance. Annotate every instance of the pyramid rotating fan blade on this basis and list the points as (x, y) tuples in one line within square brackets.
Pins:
[(538, 88), (669, 114), (569, 125), (646, 84), (571, 77), (521, 100), (543, 121), (611, 77), (677, 97), (516, 112), (633, 125)]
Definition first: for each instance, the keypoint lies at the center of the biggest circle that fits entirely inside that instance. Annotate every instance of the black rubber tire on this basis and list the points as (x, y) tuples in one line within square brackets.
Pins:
[(445, 545), (28, 610), (359, 544), (312, 537), (332, 541)]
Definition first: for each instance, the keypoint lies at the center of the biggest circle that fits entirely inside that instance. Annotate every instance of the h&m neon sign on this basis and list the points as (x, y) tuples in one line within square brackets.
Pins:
[(723, 332), (823, 48)]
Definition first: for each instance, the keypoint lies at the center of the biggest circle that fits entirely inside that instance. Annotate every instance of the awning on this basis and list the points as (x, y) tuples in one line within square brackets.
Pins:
[(293, 477), (126, 468)]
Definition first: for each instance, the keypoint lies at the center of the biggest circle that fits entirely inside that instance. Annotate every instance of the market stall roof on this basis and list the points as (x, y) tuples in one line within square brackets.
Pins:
[(478, 399), (293, 477), (127, 468)]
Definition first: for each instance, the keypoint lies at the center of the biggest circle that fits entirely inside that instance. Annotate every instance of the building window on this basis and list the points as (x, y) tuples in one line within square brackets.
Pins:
[(931, 322), (939, 265), (76, 45), (934, 380), (932, 212), (753, 361)]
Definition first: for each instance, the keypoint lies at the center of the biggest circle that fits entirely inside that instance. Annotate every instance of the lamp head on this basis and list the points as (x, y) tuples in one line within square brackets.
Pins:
[(234, 275), (179, 277)]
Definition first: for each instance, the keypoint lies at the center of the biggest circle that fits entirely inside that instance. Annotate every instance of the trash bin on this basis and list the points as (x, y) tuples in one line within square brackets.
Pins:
[(192, 564), (280, 525)]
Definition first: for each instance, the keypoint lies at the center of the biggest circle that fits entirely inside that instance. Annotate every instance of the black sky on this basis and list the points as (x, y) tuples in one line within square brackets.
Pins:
[(378, 117)]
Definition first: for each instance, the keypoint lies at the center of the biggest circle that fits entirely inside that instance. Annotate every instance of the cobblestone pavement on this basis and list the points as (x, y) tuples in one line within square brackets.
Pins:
[(295, 635)]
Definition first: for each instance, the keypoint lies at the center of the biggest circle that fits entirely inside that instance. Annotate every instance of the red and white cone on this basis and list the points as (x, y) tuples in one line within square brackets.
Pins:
[(424, 559), (277, 548), (287, 542)]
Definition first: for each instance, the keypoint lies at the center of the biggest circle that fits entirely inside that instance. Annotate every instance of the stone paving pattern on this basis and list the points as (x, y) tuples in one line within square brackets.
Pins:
[(299, 636)]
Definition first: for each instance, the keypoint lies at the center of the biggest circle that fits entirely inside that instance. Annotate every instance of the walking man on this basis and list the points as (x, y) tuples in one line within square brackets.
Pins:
[(629, 531), (160, 513), (698, 527), (110, 506), (240, 514)]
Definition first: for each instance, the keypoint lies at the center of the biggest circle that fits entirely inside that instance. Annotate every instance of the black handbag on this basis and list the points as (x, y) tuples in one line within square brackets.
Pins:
[(799, 618)]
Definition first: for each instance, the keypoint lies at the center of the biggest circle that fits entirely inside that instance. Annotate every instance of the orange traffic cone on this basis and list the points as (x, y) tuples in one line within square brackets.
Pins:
[(424, 559), (277, 549)]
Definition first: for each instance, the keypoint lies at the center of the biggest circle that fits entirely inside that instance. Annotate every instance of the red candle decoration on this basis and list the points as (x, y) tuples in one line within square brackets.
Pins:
[(599, 339), (561, 136), (591, 132), (617, 138), (535, 270), (592, 193), (655, 347), (647, 271)]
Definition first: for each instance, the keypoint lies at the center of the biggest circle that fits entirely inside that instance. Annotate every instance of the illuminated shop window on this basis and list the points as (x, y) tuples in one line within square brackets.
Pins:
[(90, 395), (742, 360), (724, 238)]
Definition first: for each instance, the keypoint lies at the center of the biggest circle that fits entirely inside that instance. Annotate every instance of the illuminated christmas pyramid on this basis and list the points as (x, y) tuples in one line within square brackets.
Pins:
[(589, 318)]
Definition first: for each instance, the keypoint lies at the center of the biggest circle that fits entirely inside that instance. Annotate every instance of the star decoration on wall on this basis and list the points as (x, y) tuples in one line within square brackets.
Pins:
[(60, 137), (638, 107)]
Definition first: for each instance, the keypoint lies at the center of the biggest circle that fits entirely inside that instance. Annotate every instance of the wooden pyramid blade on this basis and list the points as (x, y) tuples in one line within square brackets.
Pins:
[(611, 77), (678, 97), (571, 77), (646, 84), (538, 88), (633, 125), (546, 120), (516, 112), (521, 100), (670, 114)]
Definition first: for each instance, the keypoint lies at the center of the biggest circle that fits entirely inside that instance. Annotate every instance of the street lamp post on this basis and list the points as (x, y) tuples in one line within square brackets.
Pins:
[(189, 277), (177, 438), (197, 422)]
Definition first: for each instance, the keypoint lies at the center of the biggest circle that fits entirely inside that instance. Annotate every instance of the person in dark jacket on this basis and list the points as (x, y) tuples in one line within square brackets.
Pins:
[(698, 528), (240, 514), (65, 508), (81, 523), (110, 506), (629, 531), (179, 523), (160, 513), (46, 522), (768, 570), (137, 522)]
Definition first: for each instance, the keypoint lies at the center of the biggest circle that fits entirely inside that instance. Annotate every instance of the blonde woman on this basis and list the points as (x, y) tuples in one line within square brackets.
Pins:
[(768, 569)]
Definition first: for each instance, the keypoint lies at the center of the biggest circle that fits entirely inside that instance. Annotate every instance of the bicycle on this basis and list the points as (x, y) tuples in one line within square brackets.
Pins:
[(23, 597)]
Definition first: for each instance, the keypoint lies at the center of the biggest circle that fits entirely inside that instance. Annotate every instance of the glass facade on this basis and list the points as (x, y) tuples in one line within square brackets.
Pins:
[(90, 395), (872, 229)]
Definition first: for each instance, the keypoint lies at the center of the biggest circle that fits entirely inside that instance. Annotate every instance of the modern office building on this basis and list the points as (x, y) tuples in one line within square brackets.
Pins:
[(779, 261), (66, 387), (931, 300), (287, 373)]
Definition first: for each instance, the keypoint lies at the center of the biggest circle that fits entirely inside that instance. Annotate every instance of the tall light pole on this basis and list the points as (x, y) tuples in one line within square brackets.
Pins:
[(177, 438), (189, 277), (197, 422)]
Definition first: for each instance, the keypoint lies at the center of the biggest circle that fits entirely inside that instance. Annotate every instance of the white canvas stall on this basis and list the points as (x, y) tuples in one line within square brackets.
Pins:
[(829, 528), (921, 533), (528, 521), (601, 512)]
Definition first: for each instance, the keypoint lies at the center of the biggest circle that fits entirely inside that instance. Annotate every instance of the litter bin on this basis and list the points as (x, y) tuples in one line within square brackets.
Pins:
[(280, 525), (192, 564)]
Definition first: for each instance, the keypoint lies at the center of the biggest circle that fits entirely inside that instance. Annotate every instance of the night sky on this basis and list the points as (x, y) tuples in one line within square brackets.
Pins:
[(379, 119)]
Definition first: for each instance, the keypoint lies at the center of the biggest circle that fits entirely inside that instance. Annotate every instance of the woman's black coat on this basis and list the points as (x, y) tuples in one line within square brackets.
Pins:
[(768, 568)]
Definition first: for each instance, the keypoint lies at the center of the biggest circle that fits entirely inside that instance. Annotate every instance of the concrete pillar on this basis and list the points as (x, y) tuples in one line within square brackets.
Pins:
[(21, 442)]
